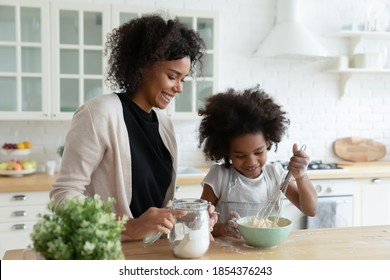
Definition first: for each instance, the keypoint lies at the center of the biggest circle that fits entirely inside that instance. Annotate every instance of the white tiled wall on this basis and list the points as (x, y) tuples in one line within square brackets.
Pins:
[(309, 94)]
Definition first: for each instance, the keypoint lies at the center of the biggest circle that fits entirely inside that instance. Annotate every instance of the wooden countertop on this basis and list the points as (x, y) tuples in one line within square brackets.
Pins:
[(372, 242), (360, 170), (28, 183), (355, 170)]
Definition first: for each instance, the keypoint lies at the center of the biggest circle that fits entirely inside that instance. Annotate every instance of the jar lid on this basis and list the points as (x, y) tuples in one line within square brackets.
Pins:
[(190, 204)]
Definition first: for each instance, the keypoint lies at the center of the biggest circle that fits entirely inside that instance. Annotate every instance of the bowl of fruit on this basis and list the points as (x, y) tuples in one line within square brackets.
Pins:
[(17, 168), (16, 149)]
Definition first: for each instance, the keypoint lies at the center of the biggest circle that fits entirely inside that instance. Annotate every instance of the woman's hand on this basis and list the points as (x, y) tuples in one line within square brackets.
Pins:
[(213, 218), (154, 219)]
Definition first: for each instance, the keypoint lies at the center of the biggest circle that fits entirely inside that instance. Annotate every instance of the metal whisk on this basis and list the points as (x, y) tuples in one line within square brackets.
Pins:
[(263, 214)]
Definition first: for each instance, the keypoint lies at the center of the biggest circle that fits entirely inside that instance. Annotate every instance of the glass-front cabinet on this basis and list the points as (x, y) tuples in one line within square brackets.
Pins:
[(52, 57), (24, 60), (203, 83), (78, 37)]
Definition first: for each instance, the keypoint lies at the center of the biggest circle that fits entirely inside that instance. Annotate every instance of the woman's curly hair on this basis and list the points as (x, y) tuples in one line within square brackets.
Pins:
[(141, 42), (230, 114)]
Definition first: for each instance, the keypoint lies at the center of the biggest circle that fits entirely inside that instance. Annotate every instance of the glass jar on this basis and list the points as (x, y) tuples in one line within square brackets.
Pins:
[(190, 237)]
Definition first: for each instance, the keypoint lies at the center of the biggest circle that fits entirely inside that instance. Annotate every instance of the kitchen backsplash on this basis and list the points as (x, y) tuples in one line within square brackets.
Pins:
[(312, 97)]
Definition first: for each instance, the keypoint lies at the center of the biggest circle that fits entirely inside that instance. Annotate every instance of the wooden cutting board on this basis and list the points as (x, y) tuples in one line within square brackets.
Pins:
[(359, 149)]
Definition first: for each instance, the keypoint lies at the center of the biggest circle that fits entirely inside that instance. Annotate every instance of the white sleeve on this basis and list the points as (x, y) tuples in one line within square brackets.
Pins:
[(217, 178)]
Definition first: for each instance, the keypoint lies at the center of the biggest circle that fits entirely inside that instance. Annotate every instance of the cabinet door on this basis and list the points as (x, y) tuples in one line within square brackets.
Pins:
[(196, 89), (24, 67), (18, 214), (15, 235), (290, 211), (78, 55), (375, 197), (203, 84)]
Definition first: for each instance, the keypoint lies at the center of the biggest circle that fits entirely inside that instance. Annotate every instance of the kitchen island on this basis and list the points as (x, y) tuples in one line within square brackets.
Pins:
[(351, 243)]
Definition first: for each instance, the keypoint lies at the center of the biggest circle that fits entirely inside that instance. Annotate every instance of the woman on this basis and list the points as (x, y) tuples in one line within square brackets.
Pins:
[(118, 145)]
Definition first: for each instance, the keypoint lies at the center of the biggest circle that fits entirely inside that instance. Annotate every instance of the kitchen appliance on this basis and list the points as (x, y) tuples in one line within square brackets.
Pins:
[(289, 38), (317, 165), (338, 192)]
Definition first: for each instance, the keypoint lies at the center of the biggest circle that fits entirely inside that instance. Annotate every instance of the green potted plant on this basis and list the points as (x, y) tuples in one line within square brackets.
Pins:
[(79, 229)]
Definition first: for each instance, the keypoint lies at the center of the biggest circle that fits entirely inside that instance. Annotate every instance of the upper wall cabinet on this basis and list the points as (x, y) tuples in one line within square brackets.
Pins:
[(78, 38), (24, 56), (201, 84), (52, 57)]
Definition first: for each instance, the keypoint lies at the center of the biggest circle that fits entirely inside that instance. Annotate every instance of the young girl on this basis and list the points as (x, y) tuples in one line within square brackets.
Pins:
[(237, 131)]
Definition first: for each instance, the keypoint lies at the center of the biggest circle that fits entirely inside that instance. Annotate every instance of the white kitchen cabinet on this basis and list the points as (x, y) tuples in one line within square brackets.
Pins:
[(291, 212), (186, 104), (354, 38), (188, 191), (374, 197), (24, 56), (18, 214), (52, 57), (78, 37), (195, 90)]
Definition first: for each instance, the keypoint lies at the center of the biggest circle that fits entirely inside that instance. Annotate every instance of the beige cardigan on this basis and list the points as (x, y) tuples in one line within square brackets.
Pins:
[(97, 159)]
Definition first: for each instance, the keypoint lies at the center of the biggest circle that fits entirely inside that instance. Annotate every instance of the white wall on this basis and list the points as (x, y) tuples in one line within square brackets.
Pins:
[(310, 95)]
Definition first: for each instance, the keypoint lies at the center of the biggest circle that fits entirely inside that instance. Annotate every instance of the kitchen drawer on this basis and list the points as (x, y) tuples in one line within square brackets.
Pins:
[(21, 213), (15, 236), (24, 198), (16, 228)]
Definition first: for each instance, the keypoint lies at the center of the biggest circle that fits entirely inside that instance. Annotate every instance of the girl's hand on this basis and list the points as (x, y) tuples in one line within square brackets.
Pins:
[(298, 163), (230, 227), (154, 219)]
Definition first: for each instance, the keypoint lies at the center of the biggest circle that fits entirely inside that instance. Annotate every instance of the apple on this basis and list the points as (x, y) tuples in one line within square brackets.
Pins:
[(16, 165), (3, 165), (10, 166), (27, 165)]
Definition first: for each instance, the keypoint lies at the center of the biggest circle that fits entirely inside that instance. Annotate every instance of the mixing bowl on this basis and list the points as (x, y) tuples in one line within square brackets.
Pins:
[(264, 237)]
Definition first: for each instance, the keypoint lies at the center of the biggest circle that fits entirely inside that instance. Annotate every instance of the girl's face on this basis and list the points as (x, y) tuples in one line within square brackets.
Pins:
[(248, 154), (161, 83)]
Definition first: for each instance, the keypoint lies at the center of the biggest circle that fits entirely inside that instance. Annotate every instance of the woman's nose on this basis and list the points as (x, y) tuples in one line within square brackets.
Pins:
[(178, 87)]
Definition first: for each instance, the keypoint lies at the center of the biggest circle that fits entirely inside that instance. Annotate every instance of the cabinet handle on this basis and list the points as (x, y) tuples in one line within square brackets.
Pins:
[(376, 180), (19, 197), (20, 213), (19, 227)]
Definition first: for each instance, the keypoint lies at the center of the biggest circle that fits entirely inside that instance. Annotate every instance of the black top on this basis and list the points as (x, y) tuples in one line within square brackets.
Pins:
[(151, 166)]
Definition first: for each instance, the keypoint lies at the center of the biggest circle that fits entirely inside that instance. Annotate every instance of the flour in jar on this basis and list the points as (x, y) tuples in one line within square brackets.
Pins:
[(194, 244)]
